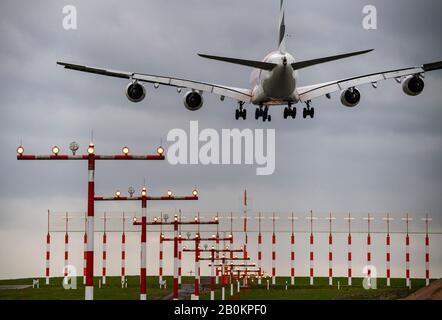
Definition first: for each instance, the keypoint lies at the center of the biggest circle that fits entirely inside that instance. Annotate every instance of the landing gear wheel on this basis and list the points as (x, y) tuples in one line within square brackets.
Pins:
[(286, 112), (269, 118), (312, 113), (236, 114), (293, 113), (257, 113), (304, 113), (244, 114), (265, 114)]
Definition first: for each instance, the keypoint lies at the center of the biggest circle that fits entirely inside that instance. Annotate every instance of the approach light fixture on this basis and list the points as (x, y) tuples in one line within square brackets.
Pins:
[(55, 150), (20, 150), (91, 148)]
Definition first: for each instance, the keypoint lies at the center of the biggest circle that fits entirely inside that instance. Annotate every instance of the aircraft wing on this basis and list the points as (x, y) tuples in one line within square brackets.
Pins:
[(224, 91), (313, 91)]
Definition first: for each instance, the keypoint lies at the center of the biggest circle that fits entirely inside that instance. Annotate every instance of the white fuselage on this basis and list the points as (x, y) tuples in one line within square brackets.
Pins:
[(277, 86)]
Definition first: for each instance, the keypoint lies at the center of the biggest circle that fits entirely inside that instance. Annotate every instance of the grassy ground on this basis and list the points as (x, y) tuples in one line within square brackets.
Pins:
[(112, 290), (321, 290), (302, 290)]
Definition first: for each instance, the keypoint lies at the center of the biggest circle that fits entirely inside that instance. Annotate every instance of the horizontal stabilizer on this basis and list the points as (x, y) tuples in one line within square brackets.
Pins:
[(248, 63), (432, 66), (309, 63)]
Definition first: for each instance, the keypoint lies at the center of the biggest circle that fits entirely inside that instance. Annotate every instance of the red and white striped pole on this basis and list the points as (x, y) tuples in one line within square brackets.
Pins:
[(84, 248), (175, 257), (89, 289), (349, 257), (292, 253), (212, 274), (197, 267), (388, 251), (273, 252), (259, 249), (66, 248), (179, 248), (123, 252), (143, 256), (312, 242), (427, 251), (103, 271), (407, 253), (330, 251), (217, 271), (369, 219), (160, 262), (245, 225), (48, 252)]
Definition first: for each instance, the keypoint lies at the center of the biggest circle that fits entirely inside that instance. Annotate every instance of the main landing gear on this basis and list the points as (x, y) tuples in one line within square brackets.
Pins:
[(241, 112), (308, 111), (263, 113), (289, 111)]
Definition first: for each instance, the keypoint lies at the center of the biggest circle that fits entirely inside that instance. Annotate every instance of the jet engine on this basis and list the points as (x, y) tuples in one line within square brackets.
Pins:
[(193, 100), (413, 85), (350, 97), (135, 92)]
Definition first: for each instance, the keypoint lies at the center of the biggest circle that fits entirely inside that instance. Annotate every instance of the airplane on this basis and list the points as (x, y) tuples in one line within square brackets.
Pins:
[(274, 82)]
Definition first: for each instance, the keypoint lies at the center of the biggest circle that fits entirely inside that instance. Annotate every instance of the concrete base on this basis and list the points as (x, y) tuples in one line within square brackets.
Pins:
[(223, 293), (143, 296), (212, 295), (311, 281), (89, 293), (194, 297), (292, 281)]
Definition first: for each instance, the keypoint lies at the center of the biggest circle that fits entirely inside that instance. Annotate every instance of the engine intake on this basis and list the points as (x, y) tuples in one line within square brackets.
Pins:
[(135, 92), (413, 85), (193, 101), (350, 97)]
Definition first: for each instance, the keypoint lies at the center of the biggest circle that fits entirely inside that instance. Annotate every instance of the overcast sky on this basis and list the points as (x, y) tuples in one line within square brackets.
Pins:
[(383, 156)]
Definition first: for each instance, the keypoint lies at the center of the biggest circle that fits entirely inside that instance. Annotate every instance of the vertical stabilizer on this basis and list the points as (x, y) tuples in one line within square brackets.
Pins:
[(281, 40)]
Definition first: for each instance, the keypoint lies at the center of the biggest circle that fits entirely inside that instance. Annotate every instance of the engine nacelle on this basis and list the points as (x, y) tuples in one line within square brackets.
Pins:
[(193, 100), (135, 92), (350, 97), (413, 85)]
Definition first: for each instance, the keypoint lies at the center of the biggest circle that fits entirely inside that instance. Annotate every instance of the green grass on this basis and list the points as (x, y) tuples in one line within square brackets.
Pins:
[(321, 290), (112, 290), (300, 291)]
